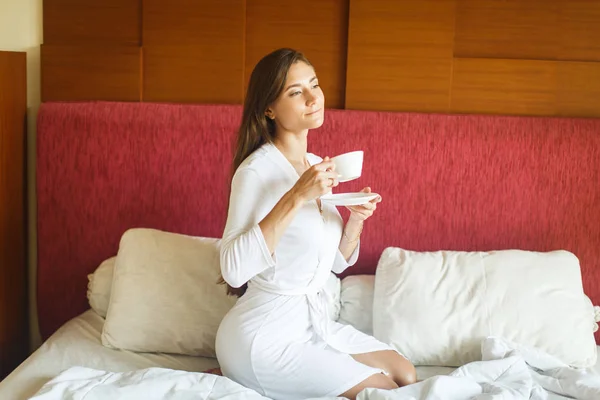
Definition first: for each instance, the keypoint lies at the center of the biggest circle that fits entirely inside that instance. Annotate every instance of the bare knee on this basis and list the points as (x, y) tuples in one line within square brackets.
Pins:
[(396, 366), (376, 381), (406, 374), (402, 371)]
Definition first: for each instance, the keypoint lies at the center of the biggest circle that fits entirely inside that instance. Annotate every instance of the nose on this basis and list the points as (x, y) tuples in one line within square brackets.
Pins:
[(310, 99)]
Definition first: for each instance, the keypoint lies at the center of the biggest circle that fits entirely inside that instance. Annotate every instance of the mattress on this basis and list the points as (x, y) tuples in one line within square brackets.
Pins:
[(77, 343)]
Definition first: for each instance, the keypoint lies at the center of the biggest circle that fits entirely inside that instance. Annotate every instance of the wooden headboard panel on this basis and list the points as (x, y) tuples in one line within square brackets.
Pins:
[(511, 57)]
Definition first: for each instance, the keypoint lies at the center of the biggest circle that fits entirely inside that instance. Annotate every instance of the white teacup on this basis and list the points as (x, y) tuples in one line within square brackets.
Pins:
[(348, 165)]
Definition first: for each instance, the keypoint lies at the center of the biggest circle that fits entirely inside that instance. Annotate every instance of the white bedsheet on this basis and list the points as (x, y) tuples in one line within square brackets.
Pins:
[(508, 372), (77, 343)]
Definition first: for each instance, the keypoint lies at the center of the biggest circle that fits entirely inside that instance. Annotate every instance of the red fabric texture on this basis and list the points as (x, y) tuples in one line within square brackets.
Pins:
[(447, 182)]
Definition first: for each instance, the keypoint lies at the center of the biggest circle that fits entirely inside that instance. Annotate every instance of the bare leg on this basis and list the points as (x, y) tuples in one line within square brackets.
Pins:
[(399, 368), (376, 381)]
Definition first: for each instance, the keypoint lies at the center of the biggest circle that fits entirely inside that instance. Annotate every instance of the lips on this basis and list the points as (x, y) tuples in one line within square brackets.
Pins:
[(314, 112)]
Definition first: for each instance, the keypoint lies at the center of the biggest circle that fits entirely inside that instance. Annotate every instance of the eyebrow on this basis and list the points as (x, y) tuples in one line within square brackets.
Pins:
[(297, 84)]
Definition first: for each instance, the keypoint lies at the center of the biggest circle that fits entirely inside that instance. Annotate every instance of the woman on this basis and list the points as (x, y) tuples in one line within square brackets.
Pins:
[(281, 244)]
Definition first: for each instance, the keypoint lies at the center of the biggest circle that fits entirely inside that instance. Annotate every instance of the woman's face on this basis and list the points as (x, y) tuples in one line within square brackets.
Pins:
[(301, 104)]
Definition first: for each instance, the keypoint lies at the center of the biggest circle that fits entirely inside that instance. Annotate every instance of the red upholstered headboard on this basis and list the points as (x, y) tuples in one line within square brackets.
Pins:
[(448, 182)]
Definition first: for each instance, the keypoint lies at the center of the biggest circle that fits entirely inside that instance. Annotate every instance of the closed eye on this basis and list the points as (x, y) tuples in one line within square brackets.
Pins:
[(297, 92)]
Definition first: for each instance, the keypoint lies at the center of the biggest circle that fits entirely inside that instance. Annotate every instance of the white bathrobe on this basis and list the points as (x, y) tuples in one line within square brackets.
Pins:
[(278, 338)]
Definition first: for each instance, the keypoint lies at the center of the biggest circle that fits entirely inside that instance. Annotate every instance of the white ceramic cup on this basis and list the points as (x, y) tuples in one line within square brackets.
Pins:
[(348, 165)]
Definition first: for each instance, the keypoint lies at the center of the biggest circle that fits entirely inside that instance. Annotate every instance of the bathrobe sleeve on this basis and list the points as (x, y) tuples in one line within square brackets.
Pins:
[(244, 252), (340, 264)]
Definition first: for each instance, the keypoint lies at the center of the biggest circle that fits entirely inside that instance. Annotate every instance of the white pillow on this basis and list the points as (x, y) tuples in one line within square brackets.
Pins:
[(165, 297), (99, 286), (436, 307), (357, 302)]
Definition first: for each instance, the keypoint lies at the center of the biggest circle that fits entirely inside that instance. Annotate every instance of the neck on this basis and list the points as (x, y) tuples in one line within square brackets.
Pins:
[(292, 145)]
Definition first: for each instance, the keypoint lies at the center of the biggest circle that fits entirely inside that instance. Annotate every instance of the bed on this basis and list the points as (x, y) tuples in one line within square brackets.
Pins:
[(449, 182), (77, 343)]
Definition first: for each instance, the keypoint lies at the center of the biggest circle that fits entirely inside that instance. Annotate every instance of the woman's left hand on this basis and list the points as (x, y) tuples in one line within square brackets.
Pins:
[(364, 211)]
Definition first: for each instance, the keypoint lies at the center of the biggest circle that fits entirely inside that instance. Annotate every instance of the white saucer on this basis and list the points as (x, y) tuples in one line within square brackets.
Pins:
[(348, 199)]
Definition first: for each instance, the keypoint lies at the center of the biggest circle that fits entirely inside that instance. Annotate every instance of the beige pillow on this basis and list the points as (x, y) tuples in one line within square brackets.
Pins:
[(437, 307), (99, 286), (332, 291), (165, 297), (357, 302)]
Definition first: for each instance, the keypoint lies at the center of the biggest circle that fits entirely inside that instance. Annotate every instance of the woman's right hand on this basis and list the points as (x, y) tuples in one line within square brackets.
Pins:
[(316, 181)]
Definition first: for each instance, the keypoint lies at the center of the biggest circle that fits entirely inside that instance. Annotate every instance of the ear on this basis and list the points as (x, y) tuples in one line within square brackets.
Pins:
[(269, 114)]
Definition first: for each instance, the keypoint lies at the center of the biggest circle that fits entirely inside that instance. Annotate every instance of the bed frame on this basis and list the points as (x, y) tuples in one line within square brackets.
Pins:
[(447, 182)]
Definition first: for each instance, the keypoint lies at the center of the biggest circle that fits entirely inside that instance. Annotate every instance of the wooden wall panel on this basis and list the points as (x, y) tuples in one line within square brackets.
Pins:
[(400, 84), (500, 86), (13, 287), (193, 74), (84, 72), (92, 21), (579, 34), (525, 29), (317, 28), (193, 50), (409, 55), (191, 22), (578, 89), (400, 55)]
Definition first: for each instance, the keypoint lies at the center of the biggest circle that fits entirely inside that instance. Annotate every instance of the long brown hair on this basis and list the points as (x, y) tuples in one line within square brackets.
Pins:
[(267, 81)]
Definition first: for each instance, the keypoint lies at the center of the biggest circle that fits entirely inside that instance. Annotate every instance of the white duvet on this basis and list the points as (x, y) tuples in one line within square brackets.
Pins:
[(508, 371)]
